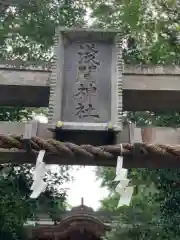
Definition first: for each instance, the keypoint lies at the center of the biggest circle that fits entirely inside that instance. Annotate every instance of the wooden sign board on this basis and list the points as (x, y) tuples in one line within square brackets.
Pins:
[(86, 80)]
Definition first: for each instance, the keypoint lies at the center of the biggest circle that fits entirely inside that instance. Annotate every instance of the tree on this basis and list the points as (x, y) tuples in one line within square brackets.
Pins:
[(150, 28), (135, 221), (27, 30), (151, 32), (15, 204), (26, 33)]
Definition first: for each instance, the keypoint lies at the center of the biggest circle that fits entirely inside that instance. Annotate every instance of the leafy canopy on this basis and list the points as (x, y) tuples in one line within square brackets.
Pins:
[(151, 32), (26, 32)]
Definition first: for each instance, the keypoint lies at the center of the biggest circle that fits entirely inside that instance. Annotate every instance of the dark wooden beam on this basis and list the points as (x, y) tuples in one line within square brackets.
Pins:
[(22, 157), (24, 96), (130, 133), (154, 88)]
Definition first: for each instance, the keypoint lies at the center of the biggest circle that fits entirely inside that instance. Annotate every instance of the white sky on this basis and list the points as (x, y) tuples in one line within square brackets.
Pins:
[(84, 185)]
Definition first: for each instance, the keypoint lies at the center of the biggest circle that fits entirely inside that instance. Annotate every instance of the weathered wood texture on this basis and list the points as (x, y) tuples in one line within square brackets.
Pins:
[(144, 88), (22, 157), (20, 128), (130, 134)]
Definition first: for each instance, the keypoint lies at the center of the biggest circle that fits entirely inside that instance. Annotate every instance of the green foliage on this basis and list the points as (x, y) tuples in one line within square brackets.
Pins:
[(27, 30), (151, 31), (150, 28), (16, 206), (26, 33)]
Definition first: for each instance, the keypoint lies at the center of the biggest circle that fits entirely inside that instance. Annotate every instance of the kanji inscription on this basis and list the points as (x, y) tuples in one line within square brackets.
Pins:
[(88, 62), (86, 81)]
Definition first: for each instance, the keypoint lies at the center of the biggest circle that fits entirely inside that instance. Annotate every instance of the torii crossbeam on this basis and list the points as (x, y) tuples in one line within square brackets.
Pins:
[(143, 86), (87, 89), (140, 147)]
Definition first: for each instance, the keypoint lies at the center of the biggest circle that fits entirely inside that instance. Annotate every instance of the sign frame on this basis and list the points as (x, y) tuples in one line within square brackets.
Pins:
[(57, 77)]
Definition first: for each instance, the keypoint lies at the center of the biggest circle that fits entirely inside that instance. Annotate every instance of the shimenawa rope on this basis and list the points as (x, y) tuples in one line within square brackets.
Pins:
[(72, 150)]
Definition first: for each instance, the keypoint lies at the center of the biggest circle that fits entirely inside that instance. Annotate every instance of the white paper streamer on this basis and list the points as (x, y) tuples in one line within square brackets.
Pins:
[(39, 185), (124, 183), (38, 189), (36, 184), (122, 175), (126, 196), (40, 157), (121, 191), (40, 171), (122, 187), (119, 164)]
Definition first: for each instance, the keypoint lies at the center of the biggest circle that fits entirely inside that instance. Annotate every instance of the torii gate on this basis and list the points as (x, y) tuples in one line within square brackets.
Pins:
[(154, 88)]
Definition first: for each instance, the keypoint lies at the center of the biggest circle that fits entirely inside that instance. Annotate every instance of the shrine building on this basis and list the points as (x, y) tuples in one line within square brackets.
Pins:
[(80, 223)]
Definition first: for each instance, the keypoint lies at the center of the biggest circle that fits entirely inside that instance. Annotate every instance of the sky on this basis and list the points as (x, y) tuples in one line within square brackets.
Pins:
[(84, 184)]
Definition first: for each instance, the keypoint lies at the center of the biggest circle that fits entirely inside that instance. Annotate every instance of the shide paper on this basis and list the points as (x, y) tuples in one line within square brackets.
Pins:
[(119, 164), (122, 188), (126, 196), (122, 184), (39, 185), (122, 175)]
